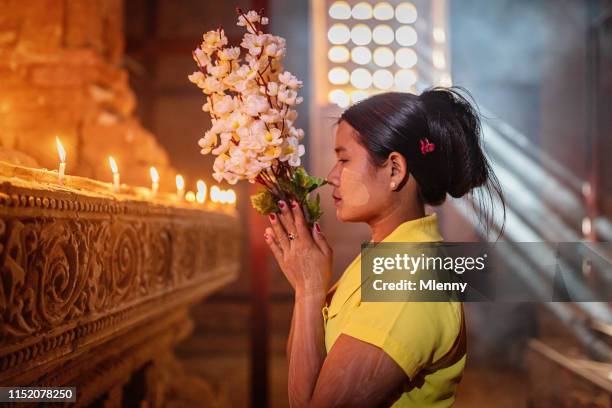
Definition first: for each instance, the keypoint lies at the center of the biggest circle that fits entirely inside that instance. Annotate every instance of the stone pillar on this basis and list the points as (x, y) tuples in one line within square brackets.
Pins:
[(60, 64)]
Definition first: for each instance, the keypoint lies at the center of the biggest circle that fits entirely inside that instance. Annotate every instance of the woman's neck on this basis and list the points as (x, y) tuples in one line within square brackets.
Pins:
[(383, 226)]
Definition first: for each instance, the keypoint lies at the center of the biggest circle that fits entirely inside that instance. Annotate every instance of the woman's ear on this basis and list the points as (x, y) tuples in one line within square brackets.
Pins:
[(398, 170)]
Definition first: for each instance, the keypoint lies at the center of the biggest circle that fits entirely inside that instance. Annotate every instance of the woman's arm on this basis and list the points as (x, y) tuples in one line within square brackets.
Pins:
[(291, 333), (354, 373), (307, 352), (357, 374)]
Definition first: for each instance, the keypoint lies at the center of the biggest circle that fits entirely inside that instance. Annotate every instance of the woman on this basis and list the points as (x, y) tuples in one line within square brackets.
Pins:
[(396, 152)]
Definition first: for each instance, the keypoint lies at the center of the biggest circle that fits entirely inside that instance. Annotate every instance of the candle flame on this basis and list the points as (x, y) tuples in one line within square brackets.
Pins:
[(201, 195), (113, 165), (201, 185), (215, 194), (190, 197), (60, 150), (180, 182), (154, 175), (231, 197), (223, 197)]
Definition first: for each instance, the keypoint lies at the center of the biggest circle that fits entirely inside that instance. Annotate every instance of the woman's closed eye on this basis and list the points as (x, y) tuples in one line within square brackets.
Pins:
[(342, 160)]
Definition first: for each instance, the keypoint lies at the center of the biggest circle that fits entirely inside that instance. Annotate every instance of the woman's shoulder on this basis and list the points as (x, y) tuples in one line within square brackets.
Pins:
[(436, 324)]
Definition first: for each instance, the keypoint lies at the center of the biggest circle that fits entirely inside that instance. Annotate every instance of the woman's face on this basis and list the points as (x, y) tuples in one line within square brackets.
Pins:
[(361, 189)]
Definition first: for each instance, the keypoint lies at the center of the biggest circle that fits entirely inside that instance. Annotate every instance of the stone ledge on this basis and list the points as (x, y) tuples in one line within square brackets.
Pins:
[(82, 267)]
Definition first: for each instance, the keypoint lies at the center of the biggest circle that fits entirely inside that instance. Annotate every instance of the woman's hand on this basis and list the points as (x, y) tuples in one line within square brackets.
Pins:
[(306, 260)]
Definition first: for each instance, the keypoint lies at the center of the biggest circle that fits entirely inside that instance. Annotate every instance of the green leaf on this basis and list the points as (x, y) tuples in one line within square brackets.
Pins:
[(314, 209), (288, 186), (264, 203), (306, 183)]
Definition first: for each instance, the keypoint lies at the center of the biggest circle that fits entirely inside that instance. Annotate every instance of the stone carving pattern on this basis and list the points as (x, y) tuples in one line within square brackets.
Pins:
[(55, 270)]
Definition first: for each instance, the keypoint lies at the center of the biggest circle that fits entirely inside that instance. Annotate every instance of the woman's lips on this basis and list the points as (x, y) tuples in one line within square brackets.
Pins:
[(336, 199)]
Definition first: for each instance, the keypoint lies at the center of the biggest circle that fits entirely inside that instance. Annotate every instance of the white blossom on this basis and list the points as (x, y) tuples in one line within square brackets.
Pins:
[(292, 151), (197, 77), (200, 57), (256, 104), (291, 81), (250, 98), (213, 40), (228, 54), (287, 96)]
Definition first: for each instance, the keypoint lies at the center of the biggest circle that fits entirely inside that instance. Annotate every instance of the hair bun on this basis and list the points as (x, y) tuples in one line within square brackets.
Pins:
[(455, 124)]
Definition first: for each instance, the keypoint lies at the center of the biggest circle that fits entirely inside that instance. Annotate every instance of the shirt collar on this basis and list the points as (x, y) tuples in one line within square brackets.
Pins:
[(424, 229)]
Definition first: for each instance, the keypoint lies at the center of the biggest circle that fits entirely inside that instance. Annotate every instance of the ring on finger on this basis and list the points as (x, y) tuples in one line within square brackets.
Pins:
[(291, 236)]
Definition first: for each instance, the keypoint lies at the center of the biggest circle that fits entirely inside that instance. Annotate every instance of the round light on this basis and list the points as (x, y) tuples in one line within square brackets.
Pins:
[(338, 76), (383, 34), (445, 80), (339, 97), (383, 11), (361, 55), (362, 11), (338, 54), (361, 34), (383, 57), (338, 34), (383, 79), (361, 78), (357, 96), (404, 79), (439, 35), (406, 57), (340, 10), (406, 13), (438, 59), (406, 36)]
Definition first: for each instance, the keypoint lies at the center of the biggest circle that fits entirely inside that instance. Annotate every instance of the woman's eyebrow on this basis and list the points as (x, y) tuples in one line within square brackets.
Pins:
[(340, 149)]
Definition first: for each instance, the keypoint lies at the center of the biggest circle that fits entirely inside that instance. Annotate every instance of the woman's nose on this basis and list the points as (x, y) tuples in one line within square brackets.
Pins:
[(332, 177)]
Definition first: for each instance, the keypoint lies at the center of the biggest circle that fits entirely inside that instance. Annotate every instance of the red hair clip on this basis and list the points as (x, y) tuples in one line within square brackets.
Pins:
[(427, 146)]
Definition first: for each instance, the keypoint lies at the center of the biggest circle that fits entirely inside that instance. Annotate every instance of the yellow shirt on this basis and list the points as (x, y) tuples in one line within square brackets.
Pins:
[(426, 339)]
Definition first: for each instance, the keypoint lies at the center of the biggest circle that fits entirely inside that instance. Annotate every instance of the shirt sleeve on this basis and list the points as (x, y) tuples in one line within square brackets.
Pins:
[(413, 334)]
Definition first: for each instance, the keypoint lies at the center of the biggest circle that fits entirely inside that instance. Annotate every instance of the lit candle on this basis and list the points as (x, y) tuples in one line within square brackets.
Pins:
[(180, 186), (232, 198), (62, 157), (215, 194), (223, 197), (201, 195), (154, 180), (115, 170), (190, 197)]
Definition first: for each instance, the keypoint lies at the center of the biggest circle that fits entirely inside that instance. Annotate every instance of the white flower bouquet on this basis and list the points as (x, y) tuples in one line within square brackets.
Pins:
[(251, 101)]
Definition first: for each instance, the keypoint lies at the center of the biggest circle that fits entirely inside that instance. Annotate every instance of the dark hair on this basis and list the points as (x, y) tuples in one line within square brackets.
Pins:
[(397, 122)]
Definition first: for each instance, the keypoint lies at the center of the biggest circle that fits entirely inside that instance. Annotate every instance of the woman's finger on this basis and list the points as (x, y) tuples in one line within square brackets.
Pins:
[(320, 240), (286, 217), (271, 241), (279, 232), (301, 226)]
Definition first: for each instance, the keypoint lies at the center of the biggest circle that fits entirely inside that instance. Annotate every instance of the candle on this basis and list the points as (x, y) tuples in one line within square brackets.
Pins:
[(115, 170), (62, 157), (232, 198), (154, 180), (190, 197), (180, 186), (215, 194), (201, 195), (223, 197)]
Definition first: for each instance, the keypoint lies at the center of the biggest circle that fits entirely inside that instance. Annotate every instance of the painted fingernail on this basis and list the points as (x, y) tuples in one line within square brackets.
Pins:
[(281, 204), (266, 237), (293, 204), (272, 216), (317, 227)]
